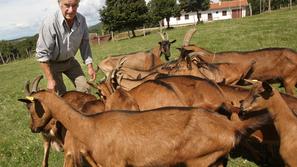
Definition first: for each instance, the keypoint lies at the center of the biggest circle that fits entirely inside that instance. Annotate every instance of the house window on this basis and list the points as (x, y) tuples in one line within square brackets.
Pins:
[(186, 17), (178, 18), (224, 13)]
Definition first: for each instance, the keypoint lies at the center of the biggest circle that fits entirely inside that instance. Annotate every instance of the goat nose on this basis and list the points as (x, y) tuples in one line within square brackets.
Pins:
[(35, 130)]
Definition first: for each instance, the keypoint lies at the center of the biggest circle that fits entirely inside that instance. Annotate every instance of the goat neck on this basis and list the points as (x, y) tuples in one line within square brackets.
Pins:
[(73, 121)]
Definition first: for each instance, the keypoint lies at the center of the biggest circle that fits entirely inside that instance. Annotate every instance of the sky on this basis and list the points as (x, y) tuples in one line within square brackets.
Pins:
[(19, 18)]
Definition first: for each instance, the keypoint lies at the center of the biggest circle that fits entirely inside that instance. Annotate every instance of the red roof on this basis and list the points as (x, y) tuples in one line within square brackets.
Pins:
[(228, 4)]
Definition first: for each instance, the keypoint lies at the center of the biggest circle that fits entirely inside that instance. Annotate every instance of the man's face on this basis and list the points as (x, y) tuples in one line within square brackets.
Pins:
[(69, 8)]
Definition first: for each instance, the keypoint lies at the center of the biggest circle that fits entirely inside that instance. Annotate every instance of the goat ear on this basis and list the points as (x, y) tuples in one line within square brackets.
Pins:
[(173, 41), (268, 92), (27, 101), (180, 49)]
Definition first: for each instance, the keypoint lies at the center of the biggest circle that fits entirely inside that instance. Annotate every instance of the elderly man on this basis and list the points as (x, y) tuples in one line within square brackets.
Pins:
[(60, 37)]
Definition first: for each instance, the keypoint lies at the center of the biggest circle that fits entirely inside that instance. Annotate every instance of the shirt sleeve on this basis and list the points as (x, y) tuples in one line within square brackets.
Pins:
[(46, 42), (85, 49)]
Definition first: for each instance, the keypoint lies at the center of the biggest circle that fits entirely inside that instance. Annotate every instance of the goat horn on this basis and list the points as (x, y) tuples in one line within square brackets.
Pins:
[(162, 36), (97, 69), (27, 88), (92, 84), (166, 35), (188, 36), (251, 81), (35, 83)]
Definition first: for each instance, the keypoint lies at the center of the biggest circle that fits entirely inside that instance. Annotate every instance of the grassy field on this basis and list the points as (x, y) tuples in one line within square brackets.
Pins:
[(21, 148)]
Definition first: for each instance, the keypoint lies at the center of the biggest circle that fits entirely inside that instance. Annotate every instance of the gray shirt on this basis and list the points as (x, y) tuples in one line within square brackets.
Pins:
[(57, 42)]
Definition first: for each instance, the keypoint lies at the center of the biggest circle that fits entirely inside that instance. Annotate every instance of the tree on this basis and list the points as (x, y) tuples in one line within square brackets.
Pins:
[(259, 6), (119, 15), (163, 9), (194, 6)]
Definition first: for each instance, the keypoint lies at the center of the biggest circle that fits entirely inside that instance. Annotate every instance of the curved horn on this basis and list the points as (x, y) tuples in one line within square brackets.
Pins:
[(27, 88), (162, 36), (92, 84), (188, 36), (165, 33), (252, 81), (97, 69), (35, 83)]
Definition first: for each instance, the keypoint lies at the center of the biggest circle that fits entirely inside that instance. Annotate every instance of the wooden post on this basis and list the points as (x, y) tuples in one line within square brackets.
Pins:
[(143, 30), (291, 4), (260, 6), (7, 59), (3, 62), (251, 10), (269, 6), (112, 37)]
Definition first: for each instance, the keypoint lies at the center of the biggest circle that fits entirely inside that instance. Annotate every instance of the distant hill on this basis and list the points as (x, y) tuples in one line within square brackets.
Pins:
[(95, 28)]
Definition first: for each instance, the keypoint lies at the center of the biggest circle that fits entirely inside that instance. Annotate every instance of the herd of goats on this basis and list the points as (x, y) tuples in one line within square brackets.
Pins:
[(194, 111)]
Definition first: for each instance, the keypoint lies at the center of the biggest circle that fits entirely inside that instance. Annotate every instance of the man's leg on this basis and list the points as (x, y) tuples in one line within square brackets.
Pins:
[(57, 75), (76, 75)]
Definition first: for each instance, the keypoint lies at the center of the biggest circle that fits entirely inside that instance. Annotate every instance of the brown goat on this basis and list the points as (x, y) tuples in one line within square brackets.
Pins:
[(139, 60), (54, 132), (272, 64), (172, 91), (159, 137), (264, 96)]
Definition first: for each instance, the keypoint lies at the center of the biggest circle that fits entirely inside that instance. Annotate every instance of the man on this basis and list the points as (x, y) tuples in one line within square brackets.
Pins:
[(60, 37)]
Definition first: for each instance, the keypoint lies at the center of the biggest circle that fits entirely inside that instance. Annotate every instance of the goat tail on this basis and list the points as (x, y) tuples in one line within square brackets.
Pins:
[(250, 125)]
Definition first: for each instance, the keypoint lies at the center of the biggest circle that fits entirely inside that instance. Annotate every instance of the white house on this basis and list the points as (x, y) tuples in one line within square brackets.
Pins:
[(217, 11)]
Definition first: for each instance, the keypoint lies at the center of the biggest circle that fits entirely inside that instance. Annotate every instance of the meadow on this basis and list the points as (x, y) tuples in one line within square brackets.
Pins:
[(21, 148)]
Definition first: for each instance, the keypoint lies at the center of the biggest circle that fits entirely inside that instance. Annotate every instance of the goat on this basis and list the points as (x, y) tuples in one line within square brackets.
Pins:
[(50, 134), (54, 132), (227, 73), (263, 96), (171, 91), (272, 64), (139, 60), (159, 137)]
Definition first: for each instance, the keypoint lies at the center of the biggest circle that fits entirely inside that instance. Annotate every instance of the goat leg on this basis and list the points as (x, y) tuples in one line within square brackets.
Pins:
[(46, 150), (68, 160), (89, 159)]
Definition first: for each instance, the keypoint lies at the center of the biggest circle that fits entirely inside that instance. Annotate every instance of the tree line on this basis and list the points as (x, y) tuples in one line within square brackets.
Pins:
[(129, 15), (17, 49)]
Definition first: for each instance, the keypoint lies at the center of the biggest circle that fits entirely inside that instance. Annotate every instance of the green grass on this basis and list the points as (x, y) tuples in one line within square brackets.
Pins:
[(21, 148)]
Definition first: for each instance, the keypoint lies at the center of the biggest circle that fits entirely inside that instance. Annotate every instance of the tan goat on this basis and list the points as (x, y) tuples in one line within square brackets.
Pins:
[(171, 91), (264, 96), (159, 137), (139, 60), (272, 64), (54, 132)]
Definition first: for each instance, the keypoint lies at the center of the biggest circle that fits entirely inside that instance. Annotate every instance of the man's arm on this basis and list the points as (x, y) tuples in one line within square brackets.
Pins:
[(51, 83), (44, 49), (86, 54)]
